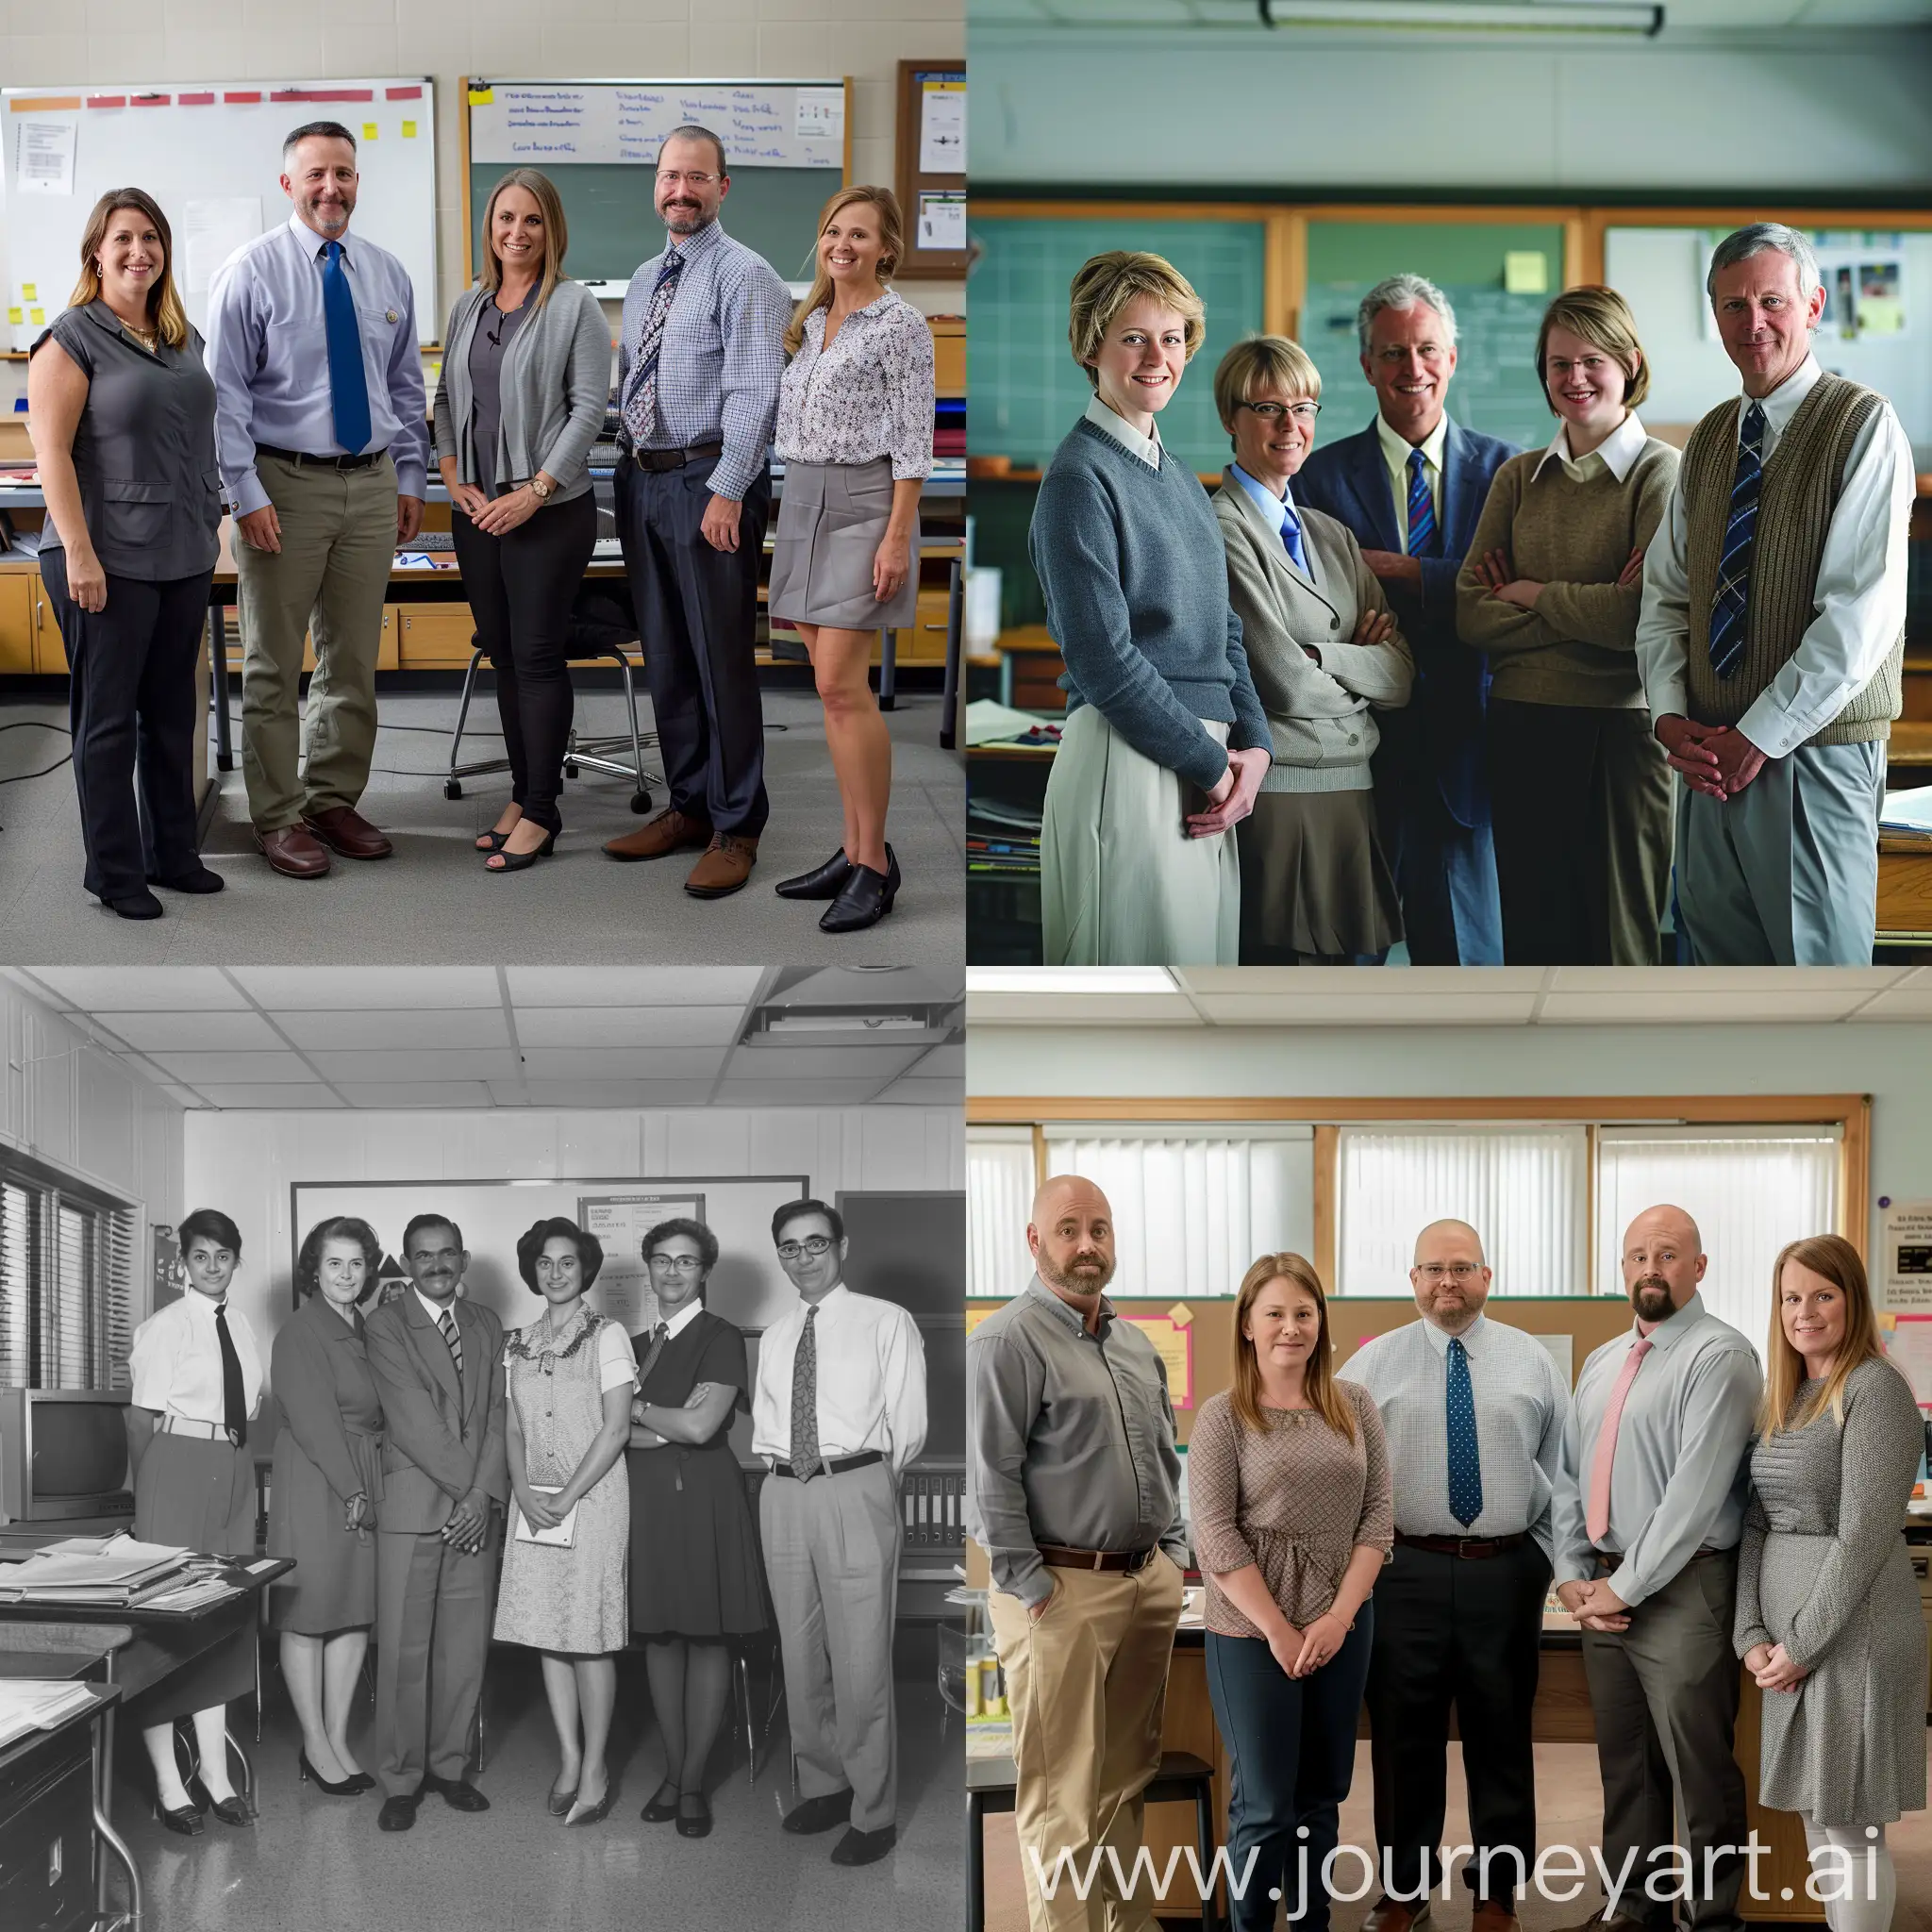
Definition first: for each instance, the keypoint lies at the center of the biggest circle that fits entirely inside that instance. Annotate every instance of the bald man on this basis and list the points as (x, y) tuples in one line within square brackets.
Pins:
[(1073, 1485), (1648, 1517), (1474, 1414)]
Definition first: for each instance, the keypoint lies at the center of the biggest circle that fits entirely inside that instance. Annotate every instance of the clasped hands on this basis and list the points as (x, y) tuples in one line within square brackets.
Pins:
[(1233, 796), (359, 1513), (1595, 1606), (468, 1522), (1717, 760), (1302, 1652), (1772, 1669)]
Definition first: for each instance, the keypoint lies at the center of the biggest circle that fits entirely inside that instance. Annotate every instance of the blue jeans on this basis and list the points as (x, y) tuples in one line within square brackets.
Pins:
[(1290, 1743)]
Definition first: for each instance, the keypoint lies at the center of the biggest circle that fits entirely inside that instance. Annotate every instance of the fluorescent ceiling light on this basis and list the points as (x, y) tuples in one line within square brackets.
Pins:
[(1496, 16), (1092, 979)]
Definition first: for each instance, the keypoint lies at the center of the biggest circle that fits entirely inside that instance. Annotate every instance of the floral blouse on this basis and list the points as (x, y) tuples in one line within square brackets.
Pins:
[(868, 395)]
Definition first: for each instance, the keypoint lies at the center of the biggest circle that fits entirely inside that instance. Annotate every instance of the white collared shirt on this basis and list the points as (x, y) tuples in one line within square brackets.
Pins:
[(1146, 447), (1396, 452), (1860, 591), (175, 1360), (870, 1380), (435, 1310), (1618, 452), (678, 1323)]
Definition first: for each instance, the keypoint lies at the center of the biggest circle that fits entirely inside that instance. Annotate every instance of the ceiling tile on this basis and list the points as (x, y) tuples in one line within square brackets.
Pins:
[(629, 1025), (609, 1093), (631, 986), (1087, 1010), (796, 1093), (1370, 1008), (1692, 1005), (449, 1093), (235, 1067), (946, 1062), (259, 1099), (916, 1091), (442, 1064), (1665, 982), (623, 1062), (309, 988), (1907, 1003), (407, 1028), (142, 988), (190, 1032), (877, 1063)]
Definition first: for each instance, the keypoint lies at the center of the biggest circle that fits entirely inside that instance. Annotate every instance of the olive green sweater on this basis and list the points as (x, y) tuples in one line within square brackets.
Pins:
[(1578, 645)]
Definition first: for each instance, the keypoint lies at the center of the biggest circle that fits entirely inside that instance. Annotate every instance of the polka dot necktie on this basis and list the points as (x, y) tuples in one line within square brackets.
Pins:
[(1465, 1467), (805, 1461)]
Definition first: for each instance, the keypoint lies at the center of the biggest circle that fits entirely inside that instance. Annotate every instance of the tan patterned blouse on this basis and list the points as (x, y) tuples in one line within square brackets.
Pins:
[(1296, 1503)]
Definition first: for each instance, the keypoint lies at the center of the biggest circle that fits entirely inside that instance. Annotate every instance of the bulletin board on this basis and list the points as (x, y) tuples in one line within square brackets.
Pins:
[(929, 166)]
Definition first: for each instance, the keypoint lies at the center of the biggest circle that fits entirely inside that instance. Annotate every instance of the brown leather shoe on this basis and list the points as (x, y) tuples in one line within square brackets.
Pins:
[(1493, 1915), (669, 832), (1603, 1922), (293, 852), (724, 869), (344, 830), (1395, 1915)]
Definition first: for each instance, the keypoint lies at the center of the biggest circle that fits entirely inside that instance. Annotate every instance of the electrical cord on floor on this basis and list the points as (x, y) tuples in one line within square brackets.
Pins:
[(37, 725)]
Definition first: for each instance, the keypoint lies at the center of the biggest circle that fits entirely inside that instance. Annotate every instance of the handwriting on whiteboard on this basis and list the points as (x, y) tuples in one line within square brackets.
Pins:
[(768, 126)]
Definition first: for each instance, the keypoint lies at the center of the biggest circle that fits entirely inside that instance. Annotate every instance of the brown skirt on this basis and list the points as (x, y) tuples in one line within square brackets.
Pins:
[(1315, 885)]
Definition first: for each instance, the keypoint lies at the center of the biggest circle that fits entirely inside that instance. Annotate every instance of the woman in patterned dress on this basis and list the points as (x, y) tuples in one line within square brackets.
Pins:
[(1828, 1620), (569, 1376), (855, 435)]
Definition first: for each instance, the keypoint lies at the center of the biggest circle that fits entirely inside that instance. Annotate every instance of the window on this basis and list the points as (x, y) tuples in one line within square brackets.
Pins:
[(1522, 1187), (999, 1198), (66, 1274)]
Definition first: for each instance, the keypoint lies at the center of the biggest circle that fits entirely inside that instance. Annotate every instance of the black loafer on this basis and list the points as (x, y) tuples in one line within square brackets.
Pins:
[(186, 1819), (693, 1815), (864, 899), (458, 1793), (819, 1814), (821, 882), (232, 1810), (661, 1810), (201, 879), (864, 1847), (142, 905), (397, 1814)]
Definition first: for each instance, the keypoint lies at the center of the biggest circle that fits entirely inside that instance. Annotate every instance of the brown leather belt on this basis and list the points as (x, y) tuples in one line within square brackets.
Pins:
[(1128, 1561), (674, 458), (836, 1465), (1473, 1547), (365, 461)]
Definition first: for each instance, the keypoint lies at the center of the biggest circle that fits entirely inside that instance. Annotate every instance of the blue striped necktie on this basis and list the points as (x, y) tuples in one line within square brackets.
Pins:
[(1729, 607), (1465, 1466), (348, 382), (1422, 505), (1291, 535)]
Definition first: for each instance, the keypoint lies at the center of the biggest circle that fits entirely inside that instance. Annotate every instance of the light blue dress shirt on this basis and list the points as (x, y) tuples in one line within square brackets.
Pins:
[(268, 352), (1272, 506), (1520, 1409)]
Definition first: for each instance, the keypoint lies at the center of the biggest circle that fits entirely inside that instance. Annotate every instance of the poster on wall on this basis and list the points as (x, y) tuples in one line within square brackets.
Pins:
[(1864, 278), (621, 1221), (1906, 1246)]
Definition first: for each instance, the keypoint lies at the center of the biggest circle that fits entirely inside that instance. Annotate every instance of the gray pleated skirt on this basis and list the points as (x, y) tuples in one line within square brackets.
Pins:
[(831, 518), (1315, 884)]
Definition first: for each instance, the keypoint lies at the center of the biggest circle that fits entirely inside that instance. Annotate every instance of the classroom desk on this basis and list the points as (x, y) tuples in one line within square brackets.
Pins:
[(49, 1785)]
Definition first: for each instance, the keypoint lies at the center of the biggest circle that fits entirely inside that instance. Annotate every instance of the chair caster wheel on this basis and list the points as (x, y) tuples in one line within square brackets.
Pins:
[(640, 801), (570, 771), (452, 789)]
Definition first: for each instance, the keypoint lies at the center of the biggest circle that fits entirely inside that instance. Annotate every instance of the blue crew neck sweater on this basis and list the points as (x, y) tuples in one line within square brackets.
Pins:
[(1135, 575)]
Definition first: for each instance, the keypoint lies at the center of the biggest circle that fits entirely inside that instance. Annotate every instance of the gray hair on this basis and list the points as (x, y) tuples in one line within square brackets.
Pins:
[(1403, 291), (692, 131), (1754, 240)]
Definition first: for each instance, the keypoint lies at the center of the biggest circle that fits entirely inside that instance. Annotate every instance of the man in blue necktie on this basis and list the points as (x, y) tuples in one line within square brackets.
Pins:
[(1772, 635), (1473, 1411), (1412, 486), (324, 452)]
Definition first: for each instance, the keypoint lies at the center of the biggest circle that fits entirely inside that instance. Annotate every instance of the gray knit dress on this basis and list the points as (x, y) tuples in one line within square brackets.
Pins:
[(1823, 1571)]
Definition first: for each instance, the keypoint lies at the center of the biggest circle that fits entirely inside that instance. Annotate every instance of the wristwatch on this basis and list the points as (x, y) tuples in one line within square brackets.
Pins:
[(541, 490)]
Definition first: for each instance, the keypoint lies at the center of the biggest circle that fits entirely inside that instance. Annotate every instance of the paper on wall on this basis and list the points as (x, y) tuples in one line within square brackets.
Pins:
[(43, 157), (1909, 1347), (942, 127), (623, 1292), (1907, 1246), (213, 229), (820, 113), (942, 221)]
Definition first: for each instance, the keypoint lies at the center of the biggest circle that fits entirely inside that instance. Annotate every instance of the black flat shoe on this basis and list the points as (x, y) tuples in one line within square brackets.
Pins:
[(558, 1803), (693, 1815), (187, 1821), (520, 861), (200, 881), (142, 905), (821, 882), (661, 1808), (346, 1787), (864, 899)]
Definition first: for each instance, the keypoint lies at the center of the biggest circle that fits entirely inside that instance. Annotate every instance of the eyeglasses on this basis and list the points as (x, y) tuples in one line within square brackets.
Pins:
[(1458, 1271), (813, 1245), (670, 177), (682, 1264), (1272, 413)]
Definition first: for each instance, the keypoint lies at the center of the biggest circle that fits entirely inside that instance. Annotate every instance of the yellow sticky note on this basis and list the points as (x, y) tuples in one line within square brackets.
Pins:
[(975, 1316), (1525, 271), (481, 96), (1180, 1314), (369, 130), (16, 315), (37, 316), (29, 291), (408, 130)]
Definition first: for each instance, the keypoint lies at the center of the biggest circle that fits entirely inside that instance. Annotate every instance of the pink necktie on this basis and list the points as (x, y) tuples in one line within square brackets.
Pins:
[(1598, 1519)]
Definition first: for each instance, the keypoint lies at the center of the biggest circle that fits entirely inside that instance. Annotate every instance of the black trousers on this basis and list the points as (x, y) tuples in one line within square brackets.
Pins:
[(697, 612), (521, 588), (131, 707), (1454, 1630)]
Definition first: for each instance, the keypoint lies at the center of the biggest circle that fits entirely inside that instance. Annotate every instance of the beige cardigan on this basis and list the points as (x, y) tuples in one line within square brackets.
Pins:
[(1324, 729)]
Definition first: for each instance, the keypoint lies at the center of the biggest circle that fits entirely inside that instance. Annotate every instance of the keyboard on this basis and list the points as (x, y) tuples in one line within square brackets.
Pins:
[(604, 455), (428, 541)]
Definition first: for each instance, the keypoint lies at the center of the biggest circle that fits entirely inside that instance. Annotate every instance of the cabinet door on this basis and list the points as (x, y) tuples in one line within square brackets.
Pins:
[(437, 636), (17, 592), (50, 648), (386, 658)]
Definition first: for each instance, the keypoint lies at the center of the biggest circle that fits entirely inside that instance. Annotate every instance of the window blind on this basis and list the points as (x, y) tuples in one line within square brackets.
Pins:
[(999, 1198), (66, 1280)]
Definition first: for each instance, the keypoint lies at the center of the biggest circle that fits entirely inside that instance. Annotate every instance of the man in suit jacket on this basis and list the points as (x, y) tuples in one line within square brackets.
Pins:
[(1412, 486), (438, 1362)]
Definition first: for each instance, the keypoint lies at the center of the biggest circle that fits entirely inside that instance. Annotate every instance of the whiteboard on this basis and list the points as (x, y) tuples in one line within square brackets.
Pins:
[(210, 153), (747, 1287), (762, 124)]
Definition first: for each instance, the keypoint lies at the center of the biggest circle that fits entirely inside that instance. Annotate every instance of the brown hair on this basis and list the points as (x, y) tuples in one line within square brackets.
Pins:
[(892, 248), (164, 310), (1603, 318), (556, 231), (1317, 1378), (1835, 1258), (1104, 284)]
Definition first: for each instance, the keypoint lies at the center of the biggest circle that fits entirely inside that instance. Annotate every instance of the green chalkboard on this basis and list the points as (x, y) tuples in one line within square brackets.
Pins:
[(1024, 390), (613, 224), (1495, 387)]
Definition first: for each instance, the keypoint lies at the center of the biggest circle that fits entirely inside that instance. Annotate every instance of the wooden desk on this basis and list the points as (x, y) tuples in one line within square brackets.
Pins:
[(49, 1810), (1905, 892)]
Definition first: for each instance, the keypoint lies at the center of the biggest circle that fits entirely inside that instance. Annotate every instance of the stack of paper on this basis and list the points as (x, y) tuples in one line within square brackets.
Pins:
[(84, 1576), (195, 1594), (1907, 814), (37, 1704)]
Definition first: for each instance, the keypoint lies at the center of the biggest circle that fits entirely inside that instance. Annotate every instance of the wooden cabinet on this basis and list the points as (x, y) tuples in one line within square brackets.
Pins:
[(18, 591), (385, 652), (50, 648), (924, 642), (435, 637), (46, 1832)]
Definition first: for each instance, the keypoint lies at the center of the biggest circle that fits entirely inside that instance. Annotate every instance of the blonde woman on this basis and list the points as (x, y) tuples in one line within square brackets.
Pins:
[(1288, 1480), (123, 416), (855, 435), (1579, 789), (1165, 743), (1828, 1619), (525, 378), (1325, 656)]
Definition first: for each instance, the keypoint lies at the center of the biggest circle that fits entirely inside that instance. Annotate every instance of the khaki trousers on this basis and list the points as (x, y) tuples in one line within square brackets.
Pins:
[(1086, 1684), (339, 541)]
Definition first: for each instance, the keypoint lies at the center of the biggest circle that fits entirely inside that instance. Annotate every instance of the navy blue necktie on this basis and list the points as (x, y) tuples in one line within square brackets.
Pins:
[(1730, 606), (1465, 1467), (1291, 535), (1422, 505), (348, 384)]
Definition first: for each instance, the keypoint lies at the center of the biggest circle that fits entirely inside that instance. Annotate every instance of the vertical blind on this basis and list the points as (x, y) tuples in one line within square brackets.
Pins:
[(999, 1197), (66, 1282)]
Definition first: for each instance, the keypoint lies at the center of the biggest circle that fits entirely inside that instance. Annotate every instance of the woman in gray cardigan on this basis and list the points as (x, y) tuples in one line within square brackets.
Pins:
[(1316, 888), (525, 380), (1828, 1620)]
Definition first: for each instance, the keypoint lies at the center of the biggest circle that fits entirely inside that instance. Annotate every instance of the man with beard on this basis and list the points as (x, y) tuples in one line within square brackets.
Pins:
[(699, 364), (1648, 1518), (437, 1359), (1474, 1414), (1072, 1486)]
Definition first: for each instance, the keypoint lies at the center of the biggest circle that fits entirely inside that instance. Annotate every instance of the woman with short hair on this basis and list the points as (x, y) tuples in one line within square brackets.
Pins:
[(1828, 1619), (1325, 656), (1165, 743), (525, 384), (1580, 787)]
